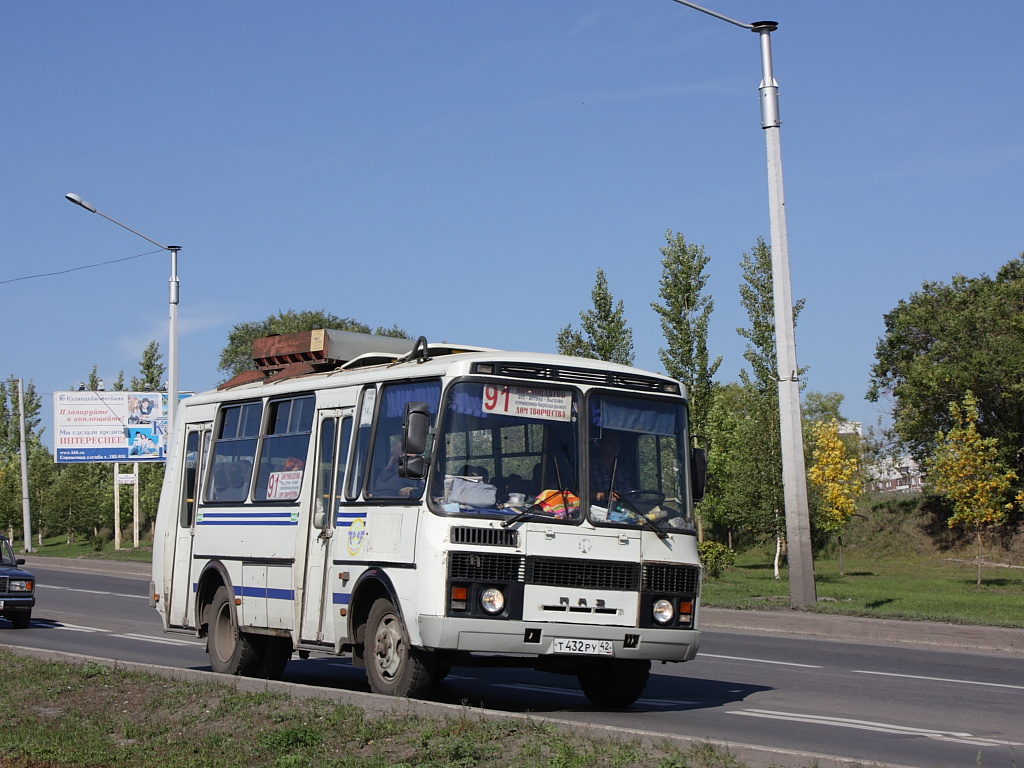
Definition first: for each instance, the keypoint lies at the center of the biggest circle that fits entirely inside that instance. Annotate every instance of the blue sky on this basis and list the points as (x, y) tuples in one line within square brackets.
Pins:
[(462, 169)]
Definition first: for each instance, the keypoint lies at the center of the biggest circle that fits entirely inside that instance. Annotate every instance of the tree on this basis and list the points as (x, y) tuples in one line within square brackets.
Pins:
[(603, 334), (966, 468), (834, 473), (236, 357), (39, 460), (151, 370), (947, 339), (685, 315), (758, 459)]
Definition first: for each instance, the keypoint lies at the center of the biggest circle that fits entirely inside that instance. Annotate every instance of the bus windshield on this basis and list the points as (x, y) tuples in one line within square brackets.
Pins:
[(637, 463), (507, 449), (511, 450)]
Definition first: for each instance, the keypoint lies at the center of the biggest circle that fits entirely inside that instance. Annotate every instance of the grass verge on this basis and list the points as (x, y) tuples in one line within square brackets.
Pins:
[(920, 588), (59, 715)]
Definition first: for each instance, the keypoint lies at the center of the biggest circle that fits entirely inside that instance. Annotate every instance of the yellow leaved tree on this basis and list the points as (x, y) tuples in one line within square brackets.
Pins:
[(966, 469), (835, 475)]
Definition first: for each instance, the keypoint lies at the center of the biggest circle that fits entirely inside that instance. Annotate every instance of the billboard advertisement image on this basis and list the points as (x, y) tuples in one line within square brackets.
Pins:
[(109, 426)]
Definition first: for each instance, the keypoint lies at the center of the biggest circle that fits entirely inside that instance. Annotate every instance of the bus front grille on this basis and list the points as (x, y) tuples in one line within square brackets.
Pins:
[(676, 579), (586, 574), (484, 566)]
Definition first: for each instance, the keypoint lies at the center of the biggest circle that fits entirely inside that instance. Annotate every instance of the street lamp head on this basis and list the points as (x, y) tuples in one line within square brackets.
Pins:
[(79, 202)]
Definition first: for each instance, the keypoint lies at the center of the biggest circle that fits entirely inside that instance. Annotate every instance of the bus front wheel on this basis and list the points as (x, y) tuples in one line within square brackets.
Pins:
[(615, 682), (393, 667)]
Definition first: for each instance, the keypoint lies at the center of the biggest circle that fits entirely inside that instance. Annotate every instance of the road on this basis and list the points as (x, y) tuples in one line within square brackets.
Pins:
[(890, 704)]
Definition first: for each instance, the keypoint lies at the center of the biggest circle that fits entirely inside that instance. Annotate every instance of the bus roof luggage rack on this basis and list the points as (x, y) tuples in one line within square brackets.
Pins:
[(285, 356)]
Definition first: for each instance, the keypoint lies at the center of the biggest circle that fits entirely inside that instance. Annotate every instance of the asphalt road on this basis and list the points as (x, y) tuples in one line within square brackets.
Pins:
[(792, 685)]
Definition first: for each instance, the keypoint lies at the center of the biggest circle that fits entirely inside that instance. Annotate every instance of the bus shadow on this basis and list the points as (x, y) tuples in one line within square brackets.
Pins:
[(526, 690)]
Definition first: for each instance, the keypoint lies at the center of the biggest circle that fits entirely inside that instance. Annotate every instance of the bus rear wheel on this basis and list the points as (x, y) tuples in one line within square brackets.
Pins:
[(232, 652), (393, 667), (614, 682)]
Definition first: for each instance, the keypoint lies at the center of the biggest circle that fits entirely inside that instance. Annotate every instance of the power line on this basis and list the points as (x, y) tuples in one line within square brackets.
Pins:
[(77, 269)]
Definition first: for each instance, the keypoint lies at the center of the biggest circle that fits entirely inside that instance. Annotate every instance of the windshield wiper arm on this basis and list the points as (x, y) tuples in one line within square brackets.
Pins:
[(530, 511), (642, 517)]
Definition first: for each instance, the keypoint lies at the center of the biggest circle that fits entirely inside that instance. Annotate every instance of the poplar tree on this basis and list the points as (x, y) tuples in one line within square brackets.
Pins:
[(604, 333), (965, 467), (685, 315), (758, 463)]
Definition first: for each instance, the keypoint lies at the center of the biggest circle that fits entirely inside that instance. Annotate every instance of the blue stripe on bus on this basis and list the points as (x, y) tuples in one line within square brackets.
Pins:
[(247, 522), (340, 598), (250, 513), (271, 594)]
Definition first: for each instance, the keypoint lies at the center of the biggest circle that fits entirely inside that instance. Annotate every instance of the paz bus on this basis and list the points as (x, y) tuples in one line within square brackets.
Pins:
[(424, 506)]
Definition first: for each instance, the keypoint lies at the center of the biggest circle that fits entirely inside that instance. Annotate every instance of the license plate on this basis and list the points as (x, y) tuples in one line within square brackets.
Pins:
[(581, 647), (1, 605)]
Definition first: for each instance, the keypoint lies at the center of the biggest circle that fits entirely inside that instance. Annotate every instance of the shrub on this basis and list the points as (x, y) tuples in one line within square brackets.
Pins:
[(715, 557)]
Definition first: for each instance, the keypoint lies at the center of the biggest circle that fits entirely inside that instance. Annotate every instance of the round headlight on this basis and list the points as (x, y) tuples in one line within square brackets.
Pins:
[(492, 600), (663, 612)]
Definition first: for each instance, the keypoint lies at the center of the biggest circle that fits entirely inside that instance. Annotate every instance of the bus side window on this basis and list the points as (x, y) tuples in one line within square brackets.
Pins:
[(234, 451), (189, 486), (385, 481), (355, 478), (284, 449)]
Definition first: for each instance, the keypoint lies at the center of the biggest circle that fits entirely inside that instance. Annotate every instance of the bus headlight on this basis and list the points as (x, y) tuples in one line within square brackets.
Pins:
[(663, 612), (492, 600)]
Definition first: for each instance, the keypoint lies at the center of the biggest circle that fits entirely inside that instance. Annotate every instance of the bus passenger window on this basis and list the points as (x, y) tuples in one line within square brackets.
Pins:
[(234, 451), (283, 450)]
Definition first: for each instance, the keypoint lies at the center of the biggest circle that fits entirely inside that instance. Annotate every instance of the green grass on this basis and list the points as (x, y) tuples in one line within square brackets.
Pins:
[(914, 587), (59, 715), (57, 546)]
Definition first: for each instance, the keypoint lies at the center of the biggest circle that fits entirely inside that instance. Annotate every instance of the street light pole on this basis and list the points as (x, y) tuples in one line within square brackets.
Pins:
[(172, 341), (794, 478)]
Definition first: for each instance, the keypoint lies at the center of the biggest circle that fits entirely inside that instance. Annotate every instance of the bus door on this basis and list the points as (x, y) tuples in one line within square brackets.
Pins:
[(334, 430), (197, 442)]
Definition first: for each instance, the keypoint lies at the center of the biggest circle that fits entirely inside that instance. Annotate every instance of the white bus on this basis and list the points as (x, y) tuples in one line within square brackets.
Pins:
[(421, 507)]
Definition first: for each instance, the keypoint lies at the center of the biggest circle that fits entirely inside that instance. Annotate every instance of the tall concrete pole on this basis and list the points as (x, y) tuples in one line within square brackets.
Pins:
[(26, 512), (794, 476)]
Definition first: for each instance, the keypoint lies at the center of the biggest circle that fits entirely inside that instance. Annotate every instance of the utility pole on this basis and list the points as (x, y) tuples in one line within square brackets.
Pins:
[(802, 592), (26, 512)]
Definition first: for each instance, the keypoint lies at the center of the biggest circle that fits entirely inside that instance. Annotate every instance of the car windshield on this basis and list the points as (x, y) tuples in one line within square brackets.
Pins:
[(6, 553), (508, 450), (637, 463)]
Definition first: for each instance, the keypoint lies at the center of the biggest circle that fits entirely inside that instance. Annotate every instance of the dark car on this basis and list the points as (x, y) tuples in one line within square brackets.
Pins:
[(17, 587)]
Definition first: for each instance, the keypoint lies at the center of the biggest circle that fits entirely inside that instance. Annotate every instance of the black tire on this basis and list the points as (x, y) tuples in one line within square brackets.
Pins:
[(19, 619), (231, 651), (275, 652), (393, 668), (614, 683)]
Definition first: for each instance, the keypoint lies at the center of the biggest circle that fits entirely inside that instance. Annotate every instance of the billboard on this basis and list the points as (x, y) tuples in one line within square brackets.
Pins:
[(109, 426)]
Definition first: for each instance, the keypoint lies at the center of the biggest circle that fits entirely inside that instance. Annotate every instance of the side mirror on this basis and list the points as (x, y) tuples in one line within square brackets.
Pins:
[(698, 472), (415, 435)]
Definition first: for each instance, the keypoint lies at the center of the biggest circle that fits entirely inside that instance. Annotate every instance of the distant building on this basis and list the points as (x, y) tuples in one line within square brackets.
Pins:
[(851, 428), (901, 475)]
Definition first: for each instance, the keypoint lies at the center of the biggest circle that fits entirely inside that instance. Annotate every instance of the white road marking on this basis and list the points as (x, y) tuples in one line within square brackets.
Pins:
[(761, 661), (91, 591), (940, 679), (869, 725), (74, 627), (162, 640)]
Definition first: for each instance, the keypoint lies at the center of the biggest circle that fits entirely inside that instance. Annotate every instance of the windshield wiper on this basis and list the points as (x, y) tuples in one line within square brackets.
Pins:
[(642, 517)]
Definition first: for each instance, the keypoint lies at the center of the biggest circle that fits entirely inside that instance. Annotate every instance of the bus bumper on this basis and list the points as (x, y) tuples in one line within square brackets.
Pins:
[(537, 639)]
